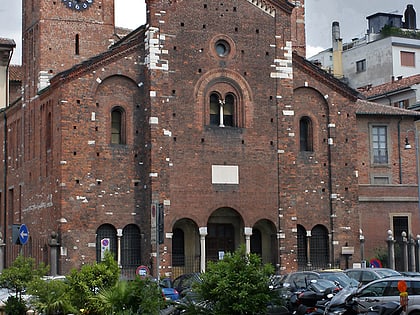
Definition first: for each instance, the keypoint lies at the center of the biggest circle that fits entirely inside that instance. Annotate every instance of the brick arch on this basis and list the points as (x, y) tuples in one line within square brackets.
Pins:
[(112, 92), (264, 241), (315, 111), (223, 79)]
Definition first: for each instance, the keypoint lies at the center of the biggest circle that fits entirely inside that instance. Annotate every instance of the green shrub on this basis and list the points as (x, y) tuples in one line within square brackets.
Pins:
[(236, 285)]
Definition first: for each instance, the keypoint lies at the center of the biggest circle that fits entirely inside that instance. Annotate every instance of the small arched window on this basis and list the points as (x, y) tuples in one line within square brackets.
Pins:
[(117, 126), (214, 109), (306, 134), (222, 111)]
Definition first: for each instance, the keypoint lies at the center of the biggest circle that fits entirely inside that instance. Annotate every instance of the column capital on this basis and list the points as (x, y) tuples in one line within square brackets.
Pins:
[(203, 230), (248, 231)]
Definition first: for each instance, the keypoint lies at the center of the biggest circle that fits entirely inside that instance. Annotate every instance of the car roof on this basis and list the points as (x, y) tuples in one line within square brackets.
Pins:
[(393, 278)]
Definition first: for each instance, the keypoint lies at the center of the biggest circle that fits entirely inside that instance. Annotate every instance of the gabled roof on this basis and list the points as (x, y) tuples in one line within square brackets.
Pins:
[(324, 77), (364, 107), (120, 48), (390, 87)]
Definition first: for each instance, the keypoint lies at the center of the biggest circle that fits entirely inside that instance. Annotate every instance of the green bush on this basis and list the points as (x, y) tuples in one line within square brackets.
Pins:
[(15, 306), (236, 285), (85, 283), (50, 297)]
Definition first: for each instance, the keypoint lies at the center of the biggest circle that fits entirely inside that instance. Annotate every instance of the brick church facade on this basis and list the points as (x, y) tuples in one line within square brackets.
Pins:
[(217, 123)]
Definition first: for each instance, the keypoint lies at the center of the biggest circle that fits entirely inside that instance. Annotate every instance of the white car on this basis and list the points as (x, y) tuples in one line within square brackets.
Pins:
[(386, 290)]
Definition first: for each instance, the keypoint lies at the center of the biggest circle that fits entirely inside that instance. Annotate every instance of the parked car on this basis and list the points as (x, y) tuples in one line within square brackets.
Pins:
[(366, 275), (386, 290), (169, 293), (297, 280), (410, 273), (184, 282), (338, 276)]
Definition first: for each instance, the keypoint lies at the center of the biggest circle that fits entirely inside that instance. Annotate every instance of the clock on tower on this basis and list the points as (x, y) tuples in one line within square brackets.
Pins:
[(78, 5)]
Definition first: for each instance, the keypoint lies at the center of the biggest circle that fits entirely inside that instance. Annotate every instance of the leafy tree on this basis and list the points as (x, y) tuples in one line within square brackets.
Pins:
[(20, 273), (236, 285), (91, 279), (17, 278)]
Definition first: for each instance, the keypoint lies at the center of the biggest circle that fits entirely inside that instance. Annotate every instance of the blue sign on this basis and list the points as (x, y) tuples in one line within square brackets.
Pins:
[(23, 234)]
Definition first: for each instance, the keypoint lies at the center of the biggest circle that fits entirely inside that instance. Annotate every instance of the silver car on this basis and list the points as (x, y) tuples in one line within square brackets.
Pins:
[(386, 290)]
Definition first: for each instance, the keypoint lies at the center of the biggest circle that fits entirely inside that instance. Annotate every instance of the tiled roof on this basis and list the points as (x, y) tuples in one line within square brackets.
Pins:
[(370, 108), (389, 87), (15, 73)]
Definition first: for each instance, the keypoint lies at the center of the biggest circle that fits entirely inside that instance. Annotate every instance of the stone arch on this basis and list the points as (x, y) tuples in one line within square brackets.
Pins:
[(185, 247), (225, 232), (223, 79)]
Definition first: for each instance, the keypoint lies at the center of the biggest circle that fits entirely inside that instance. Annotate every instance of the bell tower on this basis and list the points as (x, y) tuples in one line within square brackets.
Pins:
[(298, 27), (58, 34)]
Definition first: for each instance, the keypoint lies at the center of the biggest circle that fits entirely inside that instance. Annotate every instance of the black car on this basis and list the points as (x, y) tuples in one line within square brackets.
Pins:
[(366, 275)]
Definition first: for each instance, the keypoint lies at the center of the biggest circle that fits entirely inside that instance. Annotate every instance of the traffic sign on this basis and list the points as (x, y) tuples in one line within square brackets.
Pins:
[(23, 234), (142, 271)]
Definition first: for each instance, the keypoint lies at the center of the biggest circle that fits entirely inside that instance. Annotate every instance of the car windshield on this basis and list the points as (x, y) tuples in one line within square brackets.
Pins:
[(387, 272), (320, 285), (339, 277)]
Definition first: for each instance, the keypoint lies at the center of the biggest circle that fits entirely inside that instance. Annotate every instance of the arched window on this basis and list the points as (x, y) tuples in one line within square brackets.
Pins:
[(77, 44), (306, 134), (228, 110), (106, 239), (222, 111), (319, 247), (302, 244), (130, 247), (214, 109), (117, 126), (48, 132)]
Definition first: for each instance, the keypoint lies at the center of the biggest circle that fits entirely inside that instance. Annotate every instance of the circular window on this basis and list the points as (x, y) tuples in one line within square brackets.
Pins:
[(222, 48)]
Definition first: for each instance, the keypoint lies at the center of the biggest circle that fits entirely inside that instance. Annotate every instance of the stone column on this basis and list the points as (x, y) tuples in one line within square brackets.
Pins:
[(53, 243), (119, 235), (308, 248), (412, 254), (405, 250), (203, 234), (248, 233), (391, 252)]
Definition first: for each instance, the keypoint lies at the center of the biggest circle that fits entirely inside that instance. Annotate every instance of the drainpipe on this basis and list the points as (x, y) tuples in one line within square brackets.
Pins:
[(5, 164), (330, 188), (399, 151)]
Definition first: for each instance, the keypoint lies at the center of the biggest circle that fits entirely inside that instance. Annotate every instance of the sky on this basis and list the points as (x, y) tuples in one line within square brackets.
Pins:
[(351, 14)]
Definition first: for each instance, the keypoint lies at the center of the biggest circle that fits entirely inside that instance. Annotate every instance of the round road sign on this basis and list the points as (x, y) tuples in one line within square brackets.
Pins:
[(23, 234)]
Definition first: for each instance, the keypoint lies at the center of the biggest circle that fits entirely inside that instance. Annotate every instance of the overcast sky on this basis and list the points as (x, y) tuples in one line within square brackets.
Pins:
[(351, 14)]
